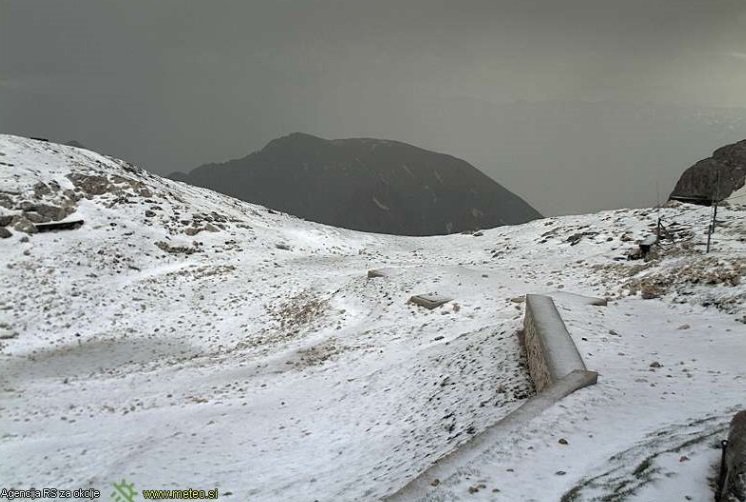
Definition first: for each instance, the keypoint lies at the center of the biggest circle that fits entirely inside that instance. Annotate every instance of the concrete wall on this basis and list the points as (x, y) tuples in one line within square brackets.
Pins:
[(557, 371), (550, 350)]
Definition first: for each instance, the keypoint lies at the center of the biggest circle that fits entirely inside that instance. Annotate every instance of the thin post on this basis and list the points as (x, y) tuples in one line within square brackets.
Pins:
[(658, 232), (715, 201), (711, 228), (723, 471)]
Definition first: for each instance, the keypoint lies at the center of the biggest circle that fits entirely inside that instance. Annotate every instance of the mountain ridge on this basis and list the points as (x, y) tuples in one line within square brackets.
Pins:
[(367, 184)]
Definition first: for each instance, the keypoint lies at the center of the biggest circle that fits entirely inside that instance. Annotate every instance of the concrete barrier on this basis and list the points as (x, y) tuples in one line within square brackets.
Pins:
[(733, 470), (575, 298), (550, 351)]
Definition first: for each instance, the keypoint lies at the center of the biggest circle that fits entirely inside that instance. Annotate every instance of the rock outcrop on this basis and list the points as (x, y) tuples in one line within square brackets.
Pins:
[(716, 177)]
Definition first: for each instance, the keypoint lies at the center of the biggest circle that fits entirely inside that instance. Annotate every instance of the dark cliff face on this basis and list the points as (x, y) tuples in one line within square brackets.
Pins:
[(366, 184), (715, 177)]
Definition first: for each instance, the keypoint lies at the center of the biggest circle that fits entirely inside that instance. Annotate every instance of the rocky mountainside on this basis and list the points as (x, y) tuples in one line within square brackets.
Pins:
[(716, 177), (75, 143), (366, 184)]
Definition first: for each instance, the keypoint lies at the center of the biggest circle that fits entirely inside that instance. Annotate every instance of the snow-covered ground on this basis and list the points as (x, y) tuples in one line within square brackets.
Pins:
[(181, 338)]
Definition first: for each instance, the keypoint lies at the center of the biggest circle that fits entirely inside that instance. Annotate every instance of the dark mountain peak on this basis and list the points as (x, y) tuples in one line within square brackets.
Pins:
[(75, 144), (179, 176), (295, 140), (732, 154), (715, 177), (366, 184)]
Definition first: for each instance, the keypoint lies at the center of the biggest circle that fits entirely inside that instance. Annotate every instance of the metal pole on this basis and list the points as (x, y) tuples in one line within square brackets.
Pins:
[(717, 199), (723, 471), (711, 229)]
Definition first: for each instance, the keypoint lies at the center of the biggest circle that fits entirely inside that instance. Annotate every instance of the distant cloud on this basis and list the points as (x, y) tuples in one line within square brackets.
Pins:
[(739, 55)]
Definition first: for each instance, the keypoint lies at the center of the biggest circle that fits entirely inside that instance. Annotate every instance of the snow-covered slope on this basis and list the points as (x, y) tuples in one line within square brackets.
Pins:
[(183, 338)]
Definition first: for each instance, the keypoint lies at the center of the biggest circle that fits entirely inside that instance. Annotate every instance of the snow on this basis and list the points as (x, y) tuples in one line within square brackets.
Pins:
[(260, 359)]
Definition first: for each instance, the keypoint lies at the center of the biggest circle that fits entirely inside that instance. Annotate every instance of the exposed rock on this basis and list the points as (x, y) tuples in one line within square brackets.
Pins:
[(25, 205), (575, 238), (6, 334), (42, 189), (168, 248), (120, 182), (6, 201), (699, 183), (71, 195), (35, 217), (51, 212), (650, 292), (22, 224), (734, 482), (90, 184), (5, 219), (5, 233), (194, 230), (429, 301)]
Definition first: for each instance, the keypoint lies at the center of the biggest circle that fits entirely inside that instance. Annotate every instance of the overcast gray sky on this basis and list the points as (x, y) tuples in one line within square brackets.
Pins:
[(551, 98)]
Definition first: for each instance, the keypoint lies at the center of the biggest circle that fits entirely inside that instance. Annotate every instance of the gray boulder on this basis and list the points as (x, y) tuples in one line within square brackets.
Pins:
[(22, 224), (715, 177)]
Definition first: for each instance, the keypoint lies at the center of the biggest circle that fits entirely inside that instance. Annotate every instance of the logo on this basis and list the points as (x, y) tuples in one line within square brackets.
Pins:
[(124, 492)]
